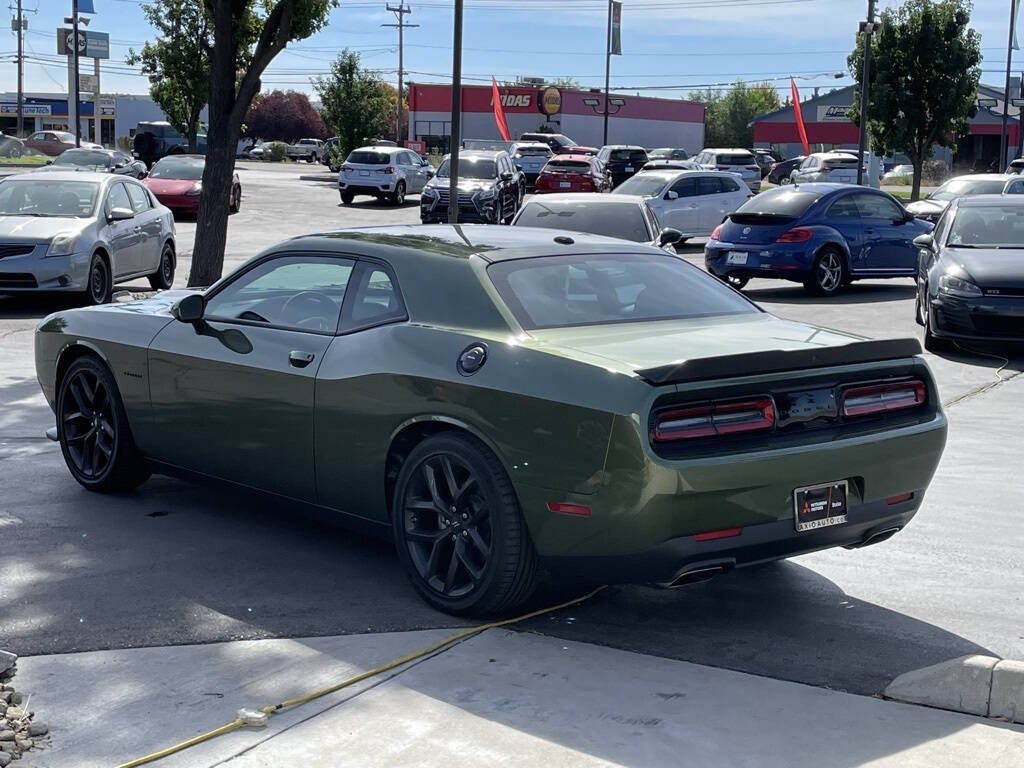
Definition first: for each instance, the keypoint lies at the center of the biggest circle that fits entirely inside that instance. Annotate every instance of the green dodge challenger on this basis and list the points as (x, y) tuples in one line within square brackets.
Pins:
[(512, 404)]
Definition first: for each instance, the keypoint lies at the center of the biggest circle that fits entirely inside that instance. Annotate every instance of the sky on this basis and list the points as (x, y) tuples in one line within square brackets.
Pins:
[(674, 45)]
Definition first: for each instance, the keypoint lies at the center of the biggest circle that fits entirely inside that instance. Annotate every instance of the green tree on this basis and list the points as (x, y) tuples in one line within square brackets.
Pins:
[(924, 79), (247, 35), (177, 63), (727, 115), (355, 103)]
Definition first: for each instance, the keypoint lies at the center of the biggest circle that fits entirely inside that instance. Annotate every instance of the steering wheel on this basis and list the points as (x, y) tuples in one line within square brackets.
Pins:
[(310, 309)]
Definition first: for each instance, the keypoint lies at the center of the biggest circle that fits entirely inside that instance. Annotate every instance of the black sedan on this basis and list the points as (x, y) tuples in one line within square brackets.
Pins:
[(971, 272), (779, 172), (109, 160)]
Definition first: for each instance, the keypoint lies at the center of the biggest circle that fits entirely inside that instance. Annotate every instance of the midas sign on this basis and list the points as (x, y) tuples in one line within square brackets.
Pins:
[(514, 100), (550, 101)]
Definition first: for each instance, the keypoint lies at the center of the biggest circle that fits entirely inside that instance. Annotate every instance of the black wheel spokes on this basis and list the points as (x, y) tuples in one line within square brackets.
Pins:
[(447, 525), (87, 419)]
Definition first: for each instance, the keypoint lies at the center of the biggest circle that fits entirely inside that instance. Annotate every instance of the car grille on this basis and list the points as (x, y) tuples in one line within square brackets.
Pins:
[(1011, 293), (999, 325), (15, 249), (464, 197), (17, 280)]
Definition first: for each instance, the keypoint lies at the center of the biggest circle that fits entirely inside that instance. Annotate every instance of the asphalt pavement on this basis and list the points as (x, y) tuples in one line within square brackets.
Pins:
[(176, 563)]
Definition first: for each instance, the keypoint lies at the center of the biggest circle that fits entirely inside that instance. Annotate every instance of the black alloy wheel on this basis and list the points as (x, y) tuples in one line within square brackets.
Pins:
[(93, 430), (458, 528), (100, 287), (163, 278)]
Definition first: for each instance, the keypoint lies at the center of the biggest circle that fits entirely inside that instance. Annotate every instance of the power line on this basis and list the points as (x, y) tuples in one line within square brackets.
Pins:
[(401, 11)]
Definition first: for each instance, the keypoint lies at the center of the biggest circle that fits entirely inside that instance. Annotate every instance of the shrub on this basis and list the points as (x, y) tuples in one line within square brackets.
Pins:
[(276, 152), (934, 171)]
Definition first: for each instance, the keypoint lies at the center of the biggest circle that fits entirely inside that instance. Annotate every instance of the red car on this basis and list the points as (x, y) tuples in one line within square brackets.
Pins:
[(52, 143), (177, 180), (573, 173)]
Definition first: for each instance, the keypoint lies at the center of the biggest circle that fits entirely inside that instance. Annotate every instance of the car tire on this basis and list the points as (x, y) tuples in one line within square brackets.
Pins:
[(16, 152), (163, 278), (398, 196), (458, 528), (786, 180), (931, 342), (347, 198), (99, 287), (236, 201), (739, 283), (828, 275), (499, 211), (93, 430)]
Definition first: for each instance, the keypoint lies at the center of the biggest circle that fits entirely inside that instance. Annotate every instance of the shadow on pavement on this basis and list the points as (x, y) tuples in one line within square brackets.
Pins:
[(869, 293)]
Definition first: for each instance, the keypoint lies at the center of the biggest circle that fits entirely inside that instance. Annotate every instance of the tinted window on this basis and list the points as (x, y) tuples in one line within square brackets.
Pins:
[(844, 208), (877, 207), (376, 299), (470, 168), (729, 185), (645, 184), (568, 166), (140, 202), (47, 198), (594, 289), (369, 158), (637, 156), (1016, 188), (270, 293), (780, 202), (623, 220), (685, 187), (118, 198), (735, 158), (708, 185)]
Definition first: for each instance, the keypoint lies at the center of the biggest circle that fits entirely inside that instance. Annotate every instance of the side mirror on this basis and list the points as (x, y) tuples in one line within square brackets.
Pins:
[(925, 241), (143, 174), (671, 195), (120, 214), (506, 176), (669, 236), (190, 309), (430, 173)]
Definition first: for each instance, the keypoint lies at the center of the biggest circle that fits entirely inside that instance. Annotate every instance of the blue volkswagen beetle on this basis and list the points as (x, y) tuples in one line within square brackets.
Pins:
[(821, 235)]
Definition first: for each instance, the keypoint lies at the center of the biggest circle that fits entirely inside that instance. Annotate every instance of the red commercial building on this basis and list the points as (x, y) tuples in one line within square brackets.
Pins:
[(642, 120)]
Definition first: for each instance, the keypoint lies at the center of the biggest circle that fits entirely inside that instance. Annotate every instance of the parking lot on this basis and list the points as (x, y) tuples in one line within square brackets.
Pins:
[(178, 563)]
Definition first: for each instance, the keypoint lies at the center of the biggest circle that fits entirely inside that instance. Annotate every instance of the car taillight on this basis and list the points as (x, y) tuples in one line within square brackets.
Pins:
[(716, 232), (795, 235), (883, 398), (714, 419)]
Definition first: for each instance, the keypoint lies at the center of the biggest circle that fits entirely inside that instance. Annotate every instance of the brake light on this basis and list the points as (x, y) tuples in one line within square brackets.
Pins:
[(714, 419), (795, 235), (724, 533), (883, 398), (565, 508), (387, 170), (716, 232)]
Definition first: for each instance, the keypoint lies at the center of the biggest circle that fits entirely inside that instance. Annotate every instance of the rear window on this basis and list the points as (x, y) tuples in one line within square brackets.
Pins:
[(776, 203), (624, 220), (628, 156), (369, 158), (841, 162), (568, 166), (533, 152), (735, 158), (595, 289), (644, 184)]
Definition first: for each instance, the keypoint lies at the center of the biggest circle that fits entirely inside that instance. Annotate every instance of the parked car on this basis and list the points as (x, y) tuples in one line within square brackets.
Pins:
[(310, 150), (765, 160), (836, 167), (670, 165), (559, 143), (490, 189), (11, 146), (477, 380), (898, 172), (573, 173), (1016, 166), (103, 160), (693, 202), (52, 143), (331, 156), (177, 182), (621, 161), (530, 157), (739, 161), (934, 203), (82, 232), (668, 153), (627, 217), (823, 235), (970, 278), (779, 172), (157, 138), (384, 172)]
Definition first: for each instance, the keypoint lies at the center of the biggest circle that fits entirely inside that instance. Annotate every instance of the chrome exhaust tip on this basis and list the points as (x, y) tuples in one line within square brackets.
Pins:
[(696, 576), (877, 537)]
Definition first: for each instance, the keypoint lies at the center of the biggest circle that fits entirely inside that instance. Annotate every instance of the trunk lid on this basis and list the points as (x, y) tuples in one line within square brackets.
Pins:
[(754, 228)]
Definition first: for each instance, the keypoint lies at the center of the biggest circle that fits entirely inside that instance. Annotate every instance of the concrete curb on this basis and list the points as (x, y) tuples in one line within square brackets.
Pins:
[(975, 685)]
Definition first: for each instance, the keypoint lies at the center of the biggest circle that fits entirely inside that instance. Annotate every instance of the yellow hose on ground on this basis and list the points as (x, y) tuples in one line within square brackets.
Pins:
[(240, 722)]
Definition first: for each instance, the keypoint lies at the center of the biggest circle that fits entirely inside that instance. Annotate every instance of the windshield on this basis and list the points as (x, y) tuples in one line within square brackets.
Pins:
[(89, 158), (369, 158), (176, 168), (644, 184), (961, 187), (48, 198), (995, 226), (594, 289), (470, 168), (624, 220)]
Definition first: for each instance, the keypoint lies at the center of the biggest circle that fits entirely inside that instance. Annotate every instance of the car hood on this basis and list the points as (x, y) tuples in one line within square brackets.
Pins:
[(40, 229), (919, 207), (168, 186), (990, 267), (634, 347), (72, 168)]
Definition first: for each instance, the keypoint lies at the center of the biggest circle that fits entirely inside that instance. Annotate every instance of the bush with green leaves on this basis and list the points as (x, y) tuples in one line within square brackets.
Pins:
[(276, 152)]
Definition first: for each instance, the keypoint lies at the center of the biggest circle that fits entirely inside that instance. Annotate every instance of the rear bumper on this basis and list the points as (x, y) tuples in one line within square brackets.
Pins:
[(987, 318), (365, 188), (781, 261)]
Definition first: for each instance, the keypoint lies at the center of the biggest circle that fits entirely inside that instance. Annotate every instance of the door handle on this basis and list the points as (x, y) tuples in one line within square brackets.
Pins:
[(299, 358)]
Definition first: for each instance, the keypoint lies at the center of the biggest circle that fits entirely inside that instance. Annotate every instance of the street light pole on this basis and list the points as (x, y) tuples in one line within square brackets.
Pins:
[(862, 135), (607, 71), (453, 160)]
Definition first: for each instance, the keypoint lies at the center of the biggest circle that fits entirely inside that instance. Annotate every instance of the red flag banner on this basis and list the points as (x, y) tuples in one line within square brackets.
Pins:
[(799, 116), (499, 113)]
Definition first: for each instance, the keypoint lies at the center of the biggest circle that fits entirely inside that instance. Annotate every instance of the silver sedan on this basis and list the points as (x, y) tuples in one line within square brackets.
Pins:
[(82, 232)]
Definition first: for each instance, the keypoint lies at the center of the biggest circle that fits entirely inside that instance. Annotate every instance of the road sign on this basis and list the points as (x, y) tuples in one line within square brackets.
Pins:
[(87, 83), (106, 105), (94, 45)]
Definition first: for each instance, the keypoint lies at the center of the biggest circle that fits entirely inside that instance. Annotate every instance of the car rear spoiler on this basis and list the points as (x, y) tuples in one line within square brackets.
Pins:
[(775, 361)]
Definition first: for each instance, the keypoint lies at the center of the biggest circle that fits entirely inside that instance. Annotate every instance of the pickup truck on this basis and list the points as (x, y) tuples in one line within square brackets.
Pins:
[(310, 150), (155, 139)]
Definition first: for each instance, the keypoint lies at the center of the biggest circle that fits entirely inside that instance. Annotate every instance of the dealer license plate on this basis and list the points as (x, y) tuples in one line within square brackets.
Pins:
[(565, 184), (364, 173), (736, 257), (819, 506), (629, 169)]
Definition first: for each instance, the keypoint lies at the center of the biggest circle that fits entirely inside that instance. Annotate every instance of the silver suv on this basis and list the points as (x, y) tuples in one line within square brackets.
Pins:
[(838, 167), (739, 161), (387, 173)]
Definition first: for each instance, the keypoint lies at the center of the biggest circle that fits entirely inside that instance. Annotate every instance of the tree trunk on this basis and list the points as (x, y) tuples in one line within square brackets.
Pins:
[(915, 189)]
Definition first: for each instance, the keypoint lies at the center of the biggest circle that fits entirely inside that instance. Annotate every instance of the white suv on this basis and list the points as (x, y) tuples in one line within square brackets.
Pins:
[(740, 161), (384, 172)]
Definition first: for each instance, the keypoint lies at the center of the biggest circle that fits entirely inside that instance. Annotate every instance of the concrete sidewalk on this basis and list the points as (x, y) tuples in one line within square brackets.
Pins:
[(501, 698)]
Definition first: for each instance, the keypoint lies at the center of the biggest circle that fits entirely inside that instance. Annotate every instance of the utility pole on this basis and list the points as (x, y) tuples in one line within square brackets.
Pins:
[(1006, 93), (456, 138), (867, 27), (74, 100), (607, 71), (400, 11), (21, 70)]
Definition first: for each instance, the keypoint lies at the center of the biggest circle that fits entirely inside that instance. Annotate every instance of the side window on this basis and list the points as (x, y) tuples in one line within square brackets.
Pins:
[(118, 198), (729, 185), (685, 187), (708, 185), (38, 137), (877, 207), (140, 201), (844, 208), (375, 299), (302, 293), (1016, 188)]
